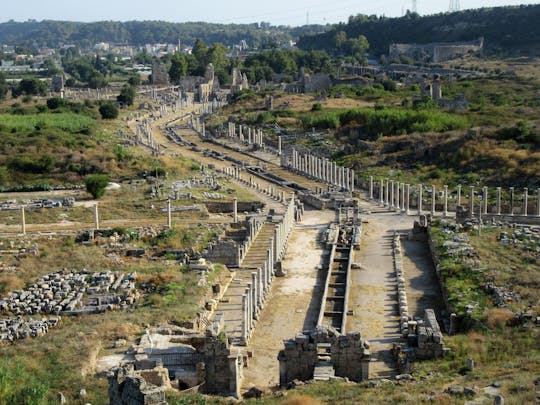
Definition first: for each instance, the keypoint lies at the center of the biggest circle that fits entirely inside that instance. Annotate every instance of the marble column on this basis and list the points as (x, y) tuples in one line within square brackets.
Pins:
[(371, 187), (458, 202), (392, 192), (386, 193), (23, 221), (235, 209), (352, 182), (381, 193), (96, 216), (169, 216), (420, 189), (511, 203), (407, 199), (397, 203)]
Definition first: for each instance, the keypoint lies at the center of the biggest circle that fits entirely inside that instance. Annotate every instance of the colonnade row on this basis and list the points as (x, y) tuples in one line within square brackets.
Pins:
[(323, 170), (235, 173), (246, 134), (403, 197), (256, 291)]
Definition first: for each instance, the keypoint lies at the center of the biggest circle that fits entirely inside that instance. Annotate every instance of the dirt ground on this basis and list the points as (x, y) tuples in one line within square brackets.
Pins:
[(294, 302)]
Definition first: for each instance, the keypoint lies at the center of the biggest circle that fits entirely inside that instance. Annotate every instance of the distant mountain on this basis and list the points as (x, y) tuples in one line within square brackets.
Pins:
[(506, 30), (54, 33)]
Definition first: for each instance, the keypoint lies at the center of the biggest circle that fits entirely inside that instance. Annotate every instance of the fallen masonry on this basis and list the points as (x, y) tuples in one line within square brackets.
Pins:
[(171, 357), (65, 293)]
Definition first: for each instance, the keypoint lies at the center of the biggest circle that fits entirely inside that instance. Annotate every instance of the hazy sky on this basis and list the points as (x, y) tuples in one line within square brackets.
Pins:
[(277, 12)]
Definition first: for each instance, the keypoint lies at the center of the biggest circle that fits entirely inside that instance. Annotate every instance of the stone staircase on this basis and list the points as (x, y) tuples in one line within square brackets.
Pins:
[(256, 254), (231, 303), (324, 369)]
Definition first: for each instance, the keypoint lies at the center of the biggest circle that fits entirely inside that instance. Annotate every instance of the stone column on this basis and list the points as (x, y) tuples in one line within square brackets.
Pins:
[(381, 193), (498, 201), (511, 203), (249, 293), (244, 318), (458, 196), (23, 221), (96, 217), (403, 188), (525, 200), (235, 209), (386, 193), (433, 199), (407, 199), (391, 205), (255, 300), (471, 201), (169, 216), (396, 203), (445, 200), (352, 182), (371, 187), (260, 296)]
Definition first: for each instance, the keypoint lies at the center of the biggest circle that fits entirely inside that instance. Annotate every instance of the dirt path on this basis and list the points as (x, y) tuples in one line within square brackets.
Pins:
[(294, 301), (420, 278), (373, 297)]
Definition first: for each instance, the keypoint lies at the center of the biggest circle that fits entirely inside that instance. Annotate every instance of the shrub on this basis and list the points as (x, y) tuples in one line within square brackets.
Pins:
[(95, 184), (108, 111)]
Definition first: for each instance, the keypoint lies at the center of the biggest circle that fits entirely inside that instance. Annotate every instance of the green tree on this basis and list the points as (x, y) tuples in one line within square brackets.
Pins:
[(178, 69), (95, 185), (108, 111), (29, 87), (3, 86), (127, 95)]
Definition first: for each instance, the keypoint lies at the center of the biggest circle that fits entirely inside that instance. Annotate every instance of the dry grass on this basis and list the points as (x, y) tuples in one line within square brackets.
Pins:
[(498, 317), (302, 400)]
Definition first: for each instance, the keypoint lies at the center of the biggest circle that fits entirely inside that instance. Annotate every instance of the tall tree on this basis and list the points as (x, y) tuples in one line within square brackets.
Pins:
[(179, 68)]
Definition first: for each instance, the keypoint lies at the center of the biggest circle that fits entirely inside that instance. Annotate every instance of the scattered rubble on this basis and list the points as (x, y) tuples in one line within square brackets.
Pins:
[(64, 293)]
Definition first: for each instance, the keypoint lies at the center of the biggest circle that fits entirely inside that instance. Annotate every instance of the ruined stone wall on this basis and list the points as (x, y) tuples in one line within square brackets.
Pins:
[(227, 206), (126, 387), (297, 360), (224, 251), (351, 357), (222, 368)]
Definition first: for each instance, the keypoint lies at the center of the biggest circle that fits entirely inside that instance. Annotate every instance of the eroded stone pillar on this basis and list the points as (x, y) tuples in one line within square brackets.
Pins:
[(169, 216), (458, 202), (381, 193), (511, 202), (391, 205), (445, 200), (23, 220), (235, 209), (386, 193), (96, 217), (371, 187), (407, 199)]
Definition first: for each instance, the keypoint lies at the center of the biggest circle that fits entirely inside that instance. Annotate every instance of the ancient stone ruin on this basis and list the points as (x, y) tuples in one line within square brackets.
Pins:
[(63, 293), (323, 354)]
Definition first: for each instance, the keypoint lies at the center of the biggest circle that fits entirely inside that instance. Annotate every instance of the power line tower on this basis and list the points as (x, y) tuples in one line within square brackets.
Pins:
[(454, 6), (414, 9)]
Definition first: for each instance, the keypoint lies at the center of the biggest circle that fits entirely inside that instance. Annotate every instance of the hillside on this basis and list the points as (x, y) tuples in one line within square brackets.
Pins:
[(55, 33), (506, 30)]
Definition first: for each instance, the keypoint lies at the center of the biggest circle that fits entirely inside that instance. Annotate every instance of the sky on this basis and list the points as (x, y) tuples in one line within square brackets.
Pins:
[(276, 12)]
